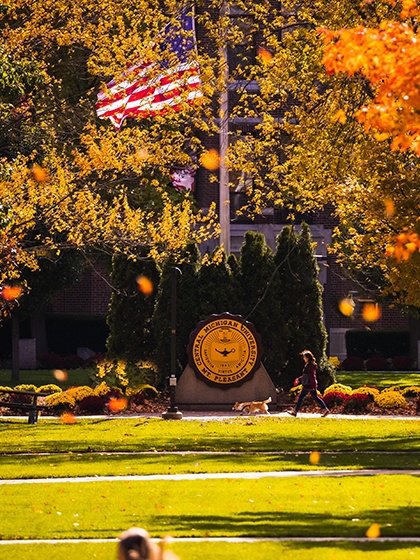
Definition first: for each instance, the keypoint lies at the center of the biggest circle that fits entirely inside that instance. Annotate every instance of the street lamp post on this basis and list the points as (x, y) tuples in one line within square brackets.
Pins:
[(173, 413)]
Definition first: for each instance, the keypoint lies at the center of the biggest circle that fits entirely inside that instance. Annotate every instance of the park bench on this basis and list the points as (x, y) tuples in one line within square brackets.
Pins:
[(32, 407)]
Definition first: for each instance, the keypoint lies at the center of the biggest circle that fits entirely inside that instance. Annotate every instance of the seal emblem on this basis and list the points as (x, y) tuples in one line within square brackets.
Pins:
[(224, 349)]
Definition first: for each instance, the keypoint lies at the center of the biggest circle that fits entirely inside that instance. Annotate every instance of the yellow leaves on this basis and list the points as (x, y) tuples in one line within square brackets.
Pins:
[(179, 225)]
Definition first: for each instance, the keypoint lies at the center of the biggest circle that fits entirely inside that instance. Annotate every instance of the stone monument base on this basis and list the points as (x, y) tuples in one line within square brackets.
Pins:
[(194, 394)]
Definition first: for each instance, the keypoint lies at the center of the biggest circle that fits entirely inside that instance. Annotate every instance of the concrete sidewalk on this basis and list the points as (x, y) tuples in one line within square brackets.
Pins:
[(211, 476)]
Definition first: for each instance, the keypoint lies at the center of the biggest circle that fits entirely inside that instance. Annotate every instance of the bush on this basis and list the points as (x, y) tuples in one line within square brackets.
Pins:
[(60, 402), (121, 373), (79, 393), (352, 363), (377, 363), (50, 388), (371, 391), (138, 394), (106, 392), (346, 389), (412, 391), (334, 398), (402, 363), (4, 396), (390, 399), (23, 399), (357, 402), (25, 387)]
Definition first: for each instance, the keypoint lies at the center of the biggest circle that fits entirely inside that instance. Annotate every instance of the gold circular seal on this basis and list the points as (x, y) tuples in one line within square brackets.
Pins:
[(224, 349)]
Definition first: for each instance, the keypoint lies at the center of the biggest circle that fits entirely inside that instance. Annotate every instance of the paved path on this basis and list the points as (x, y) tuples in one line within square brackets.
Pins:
[(227, 415), (210, 476)]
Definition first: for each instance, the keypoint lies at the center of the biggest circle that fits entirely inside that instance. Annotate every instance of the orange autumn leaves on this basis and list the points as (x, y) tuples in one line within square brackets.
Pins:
[(370, 311), (389, 57), (406, 244), (11, 293)]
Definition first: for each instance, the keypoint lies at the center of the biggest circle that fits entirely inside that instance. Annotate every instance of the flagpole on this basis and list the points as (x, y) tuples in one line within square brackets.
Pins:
[(224, 198)]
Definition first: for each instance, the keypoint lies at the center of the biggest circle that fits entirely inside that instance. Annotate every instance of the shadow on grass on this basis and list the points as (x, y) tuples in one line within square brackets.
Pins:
[(90, 464), (402, 522), (253, 434)]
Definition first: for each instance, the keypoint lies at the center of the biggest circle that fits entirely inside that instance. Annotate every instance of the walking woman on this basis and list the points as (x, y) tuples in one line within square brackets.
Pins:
[(309, 383)]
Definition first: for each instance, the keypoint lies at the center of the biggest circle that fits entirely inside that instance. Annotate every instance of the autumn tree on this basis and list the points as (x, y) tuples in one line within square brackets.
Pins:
[(308, 150), (66, 179)]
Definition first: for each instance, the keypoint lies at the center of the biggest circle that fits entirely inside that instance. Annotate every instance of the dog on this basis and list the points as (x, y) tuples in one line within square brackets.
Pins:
[(252, 407)]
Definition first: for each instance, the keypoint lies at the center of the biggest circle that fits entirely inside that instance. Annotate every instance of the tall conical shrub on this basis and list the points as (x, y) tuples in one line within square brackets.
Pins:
[(299, 294), (130, 310), (217, 287), (256, 271)]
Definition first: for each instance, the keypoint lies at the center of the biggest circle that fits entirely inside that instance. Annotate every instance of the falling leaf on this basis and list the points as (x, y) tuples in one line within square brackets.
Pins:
[(210, 160), (117, 405), (10, 293), (40, 174), (389, 208), (340, 117), (264, 55), (346, 307), (371, 312), (60, 375), (314, 457), (381, 136), (68, 418), (145, 285), (374, 531), (142, 154)]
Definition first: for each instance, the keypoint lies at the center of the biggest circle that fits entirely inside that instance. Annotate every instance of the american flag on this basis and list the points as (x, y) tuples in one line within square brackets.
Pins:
[(152, 88)]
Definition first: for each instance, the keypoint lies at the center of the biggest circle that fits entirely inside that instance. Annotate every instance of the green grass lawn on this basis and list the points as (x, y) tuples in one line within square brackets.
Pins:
[(222, 551), (233, 434), (40, 377), (378, 379), (111, 464), (266, 507)]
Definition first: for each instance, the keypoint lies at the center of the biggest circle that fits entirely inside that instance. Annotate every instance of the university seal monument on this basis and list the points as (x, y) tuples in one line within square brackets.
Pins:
[(224, 365)]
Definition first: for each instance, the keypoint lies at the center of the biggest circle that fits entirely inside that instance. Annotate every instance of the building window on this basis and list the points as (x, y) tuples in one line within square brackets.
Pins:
[(241, 39)]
